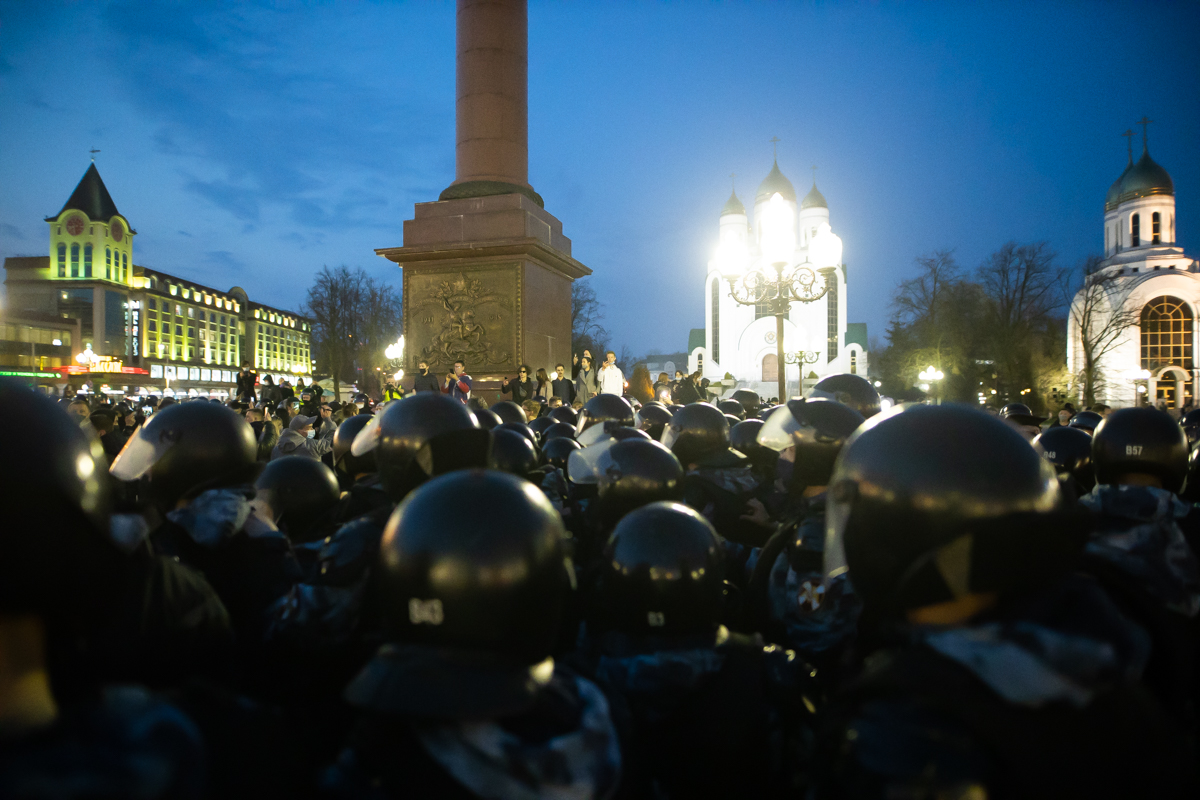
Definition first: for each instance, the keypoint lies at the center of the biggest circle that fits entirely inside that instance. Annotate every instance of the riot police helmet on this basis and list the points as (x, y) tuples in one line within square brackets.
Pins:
[(917, 518), (634, 473), (849, 389), (698, 434), (605, 408), (1021, 414), (557, 451), (487, 418), (512, 452), (653, 419), (559, 430), (743, 437), (732, 408), (508, 411), (1140, 440), (564, 414), (523, 430), (663, 575), (1086, 421), (539, 425), (473, 610), (749, 400), (343, 440), (301, 492), (621, 434), (1191, 426), (817, 428), (420, 436), (1070, 451), (187, 448)]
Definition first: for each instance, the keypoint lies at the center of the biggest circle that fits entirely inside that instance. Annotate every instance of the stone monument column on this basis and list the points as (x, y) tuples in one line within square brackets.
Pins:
[(487, 270)]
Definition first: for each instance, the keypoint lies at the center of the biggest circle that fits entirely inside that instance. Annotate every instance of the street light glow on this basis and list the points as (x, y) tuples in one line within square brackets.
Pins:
[(778, 231)]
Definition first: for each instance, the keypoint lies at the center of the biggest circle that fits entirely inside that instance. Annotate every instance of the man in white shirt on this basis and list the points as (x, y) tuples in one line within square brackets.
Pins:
[(610, 377)]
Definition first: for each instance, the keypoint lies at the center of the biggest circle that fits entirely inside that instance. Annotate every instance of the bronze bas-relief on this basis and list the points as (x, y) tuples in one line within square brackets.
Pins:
[(467, 314)]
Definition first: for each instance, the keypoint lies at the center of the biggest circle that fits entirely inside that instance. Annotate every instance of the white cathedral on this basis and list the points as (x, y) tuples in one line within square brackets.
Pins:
[(1153, 359), (740, 339)]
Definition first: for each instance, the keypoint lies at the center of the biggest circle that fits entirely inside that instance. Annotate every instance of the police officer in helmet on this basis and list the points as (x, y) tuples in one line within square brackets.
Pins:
[(465, 699), (971, 619)]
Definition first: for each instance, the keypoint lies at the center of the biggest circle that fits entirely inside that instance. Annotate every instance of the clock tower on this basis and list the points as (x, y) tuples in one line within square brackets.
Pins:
[(89, 239)]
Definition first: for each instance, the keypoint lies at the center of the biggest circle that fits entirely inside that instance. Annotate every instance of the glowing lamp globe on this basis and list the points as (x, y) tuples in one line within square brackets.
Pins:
[(826, 247), (778, 240)]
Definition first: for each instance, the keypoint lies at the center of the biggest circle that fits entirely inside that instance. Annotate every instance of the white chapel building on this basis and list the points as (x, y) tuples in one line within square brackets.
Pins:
[(1153, 277), (740, 339)]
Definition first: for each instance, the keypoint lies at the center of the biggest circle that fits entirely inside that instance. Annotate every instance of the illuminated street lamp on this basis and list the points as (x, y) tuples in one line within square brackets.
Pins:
[(930, 376), (788, 284)]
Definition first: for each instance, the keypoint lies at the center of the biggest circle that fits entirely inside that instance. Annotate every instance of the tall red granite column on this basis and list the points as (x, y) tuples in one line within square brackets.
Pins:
[(487, 270)]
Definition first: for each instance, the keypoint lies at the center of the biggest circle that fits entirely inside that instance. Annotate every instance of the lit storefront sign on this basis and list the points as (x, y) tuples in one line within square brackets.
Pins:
[(135, 316)]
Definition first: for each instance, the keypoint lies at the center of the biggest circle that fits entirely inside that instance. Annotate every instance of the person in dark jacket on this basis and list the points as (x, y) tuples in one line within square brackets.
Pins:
[(245, 383), (521, 388), (561, 386), (687, 391), (425, 380), (270, 393), (586, 385)]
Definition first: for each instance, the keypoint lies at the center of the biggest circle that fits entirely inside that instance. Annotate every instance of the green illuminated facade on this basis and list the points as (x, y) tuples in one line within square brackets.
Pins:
[(186, 335)]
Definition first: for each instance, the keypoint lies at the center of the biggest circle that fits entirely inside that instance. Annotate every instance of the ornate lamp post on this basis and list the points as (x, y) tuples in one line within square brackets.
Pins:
[(787, 283), (930, 376)]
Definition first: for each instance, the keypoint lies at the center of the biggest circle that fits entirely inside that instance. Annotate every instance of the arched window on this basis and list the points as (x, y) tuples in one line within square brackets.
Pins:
[(125, 267), (716, 319), (1155, 228), (1166, 333), (770, 368), (1135, 230), (108, 263), (62, 260), (74, 261), (87, 261)]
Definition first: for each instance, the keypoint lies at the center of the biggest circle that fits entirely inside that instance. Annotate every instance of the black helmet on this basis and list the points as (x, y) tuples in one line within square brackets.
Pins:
[(559, 430), (699, 434), (817, 428), (749, 400), (919, 517), (743, 437), (343, 440), (420, 436), (732, 408), (606, 408), (557, 451), (1140, 440), (851, 390), (55, 501), (482, 604), (508, 411), (621, 434), (653, 419), (663, 574), (1191, 425), (301, 492), (1021, 414), (564, 414), (1070, 451), (522, 429), (188, 448), (512, 452), (1086, 421), (539, 425), (632, 474), (358, 398), (487, 418)]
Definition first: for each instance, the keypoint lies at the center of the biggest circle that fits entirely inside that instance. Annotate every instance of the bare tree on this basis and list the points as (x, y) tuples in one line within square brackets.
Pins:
[(1101, 314), (587, 313), (354, 318), (919, 300)]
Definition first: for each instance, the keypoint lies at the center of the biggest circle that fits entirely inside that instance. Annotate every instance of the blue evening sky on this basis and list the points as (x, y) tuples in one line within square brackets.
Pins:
[(252, 143)]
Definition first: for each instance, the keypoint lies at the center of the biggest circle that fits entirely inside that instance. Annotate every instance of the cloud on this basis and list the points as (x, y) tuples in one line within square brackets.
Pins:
[(241, 202), (184, 233), (11, 231), (225, 260)]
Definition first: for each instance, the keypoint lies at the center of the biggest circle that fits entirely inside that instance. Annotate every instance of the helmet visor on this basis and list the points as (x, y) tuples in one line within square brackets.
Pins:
[(587, 465), (367, 439), (140, 453), (837, 514), (596, 433), (778, 431)]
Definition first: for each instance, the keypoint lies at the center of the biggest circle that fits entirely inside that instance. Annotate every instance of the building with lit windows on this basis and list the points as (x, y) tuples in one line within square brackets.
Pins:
[(1145, 272), (740, 339), (138, 329)]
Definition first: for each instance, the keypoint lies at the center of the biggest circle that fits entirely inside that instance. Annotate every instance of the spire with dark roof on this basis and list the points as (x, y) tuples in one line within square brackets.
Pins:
[(775, 182), (733, 205), (814, 199), (91, 197)]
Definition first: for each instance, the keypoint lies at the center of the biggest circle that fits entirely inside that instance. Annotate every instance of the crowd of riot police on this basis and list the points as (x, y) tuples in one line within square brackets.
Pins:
[(722, 600)]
